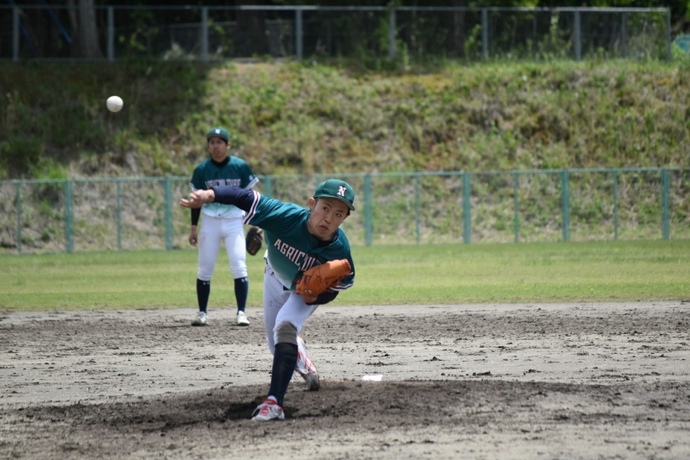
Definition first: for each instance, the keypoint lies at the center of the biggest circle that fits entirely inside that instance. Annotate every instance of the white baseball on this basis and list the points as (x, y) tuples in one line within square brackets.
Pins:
[(114, 103)]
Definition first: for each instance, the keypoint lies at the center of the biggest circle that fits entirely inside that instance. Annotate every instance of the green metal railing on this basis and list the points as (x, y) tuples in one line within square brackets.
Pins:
[(392, 208)]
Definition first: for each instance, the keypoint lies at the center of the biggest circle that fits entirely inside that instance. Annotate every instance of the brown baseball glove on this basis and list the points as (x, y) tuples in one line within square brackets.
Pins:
[(254, 238), (317, 279)]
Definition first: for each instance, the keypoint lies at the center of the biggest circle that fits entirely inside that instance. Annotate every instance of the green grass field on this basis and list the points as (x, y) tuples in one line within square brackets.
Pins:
[(414, 275)]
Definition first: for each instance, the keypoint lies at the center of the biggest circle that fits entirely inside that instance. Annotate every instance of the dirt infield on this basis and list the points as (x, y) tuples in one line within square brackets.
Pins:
[(464, 381)]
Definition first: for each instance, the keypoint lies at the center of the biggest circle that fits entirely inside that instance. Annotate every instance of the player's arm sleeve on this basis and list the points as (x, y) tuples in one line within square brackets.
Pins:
[(194, 184), (253, 180), (197, 182), (196, 212), (249, 179), (241, 197)]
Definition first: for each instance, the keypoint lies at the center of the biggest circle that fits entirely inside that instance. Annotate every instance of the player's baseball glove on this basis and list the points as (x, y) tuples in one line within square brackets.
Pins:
[(254, 238), (317, 279)]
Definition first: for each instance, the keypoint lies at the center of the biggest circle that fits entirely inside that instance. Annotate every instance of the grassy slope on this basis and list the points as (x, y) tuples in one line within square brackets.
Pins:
[(294, 118)]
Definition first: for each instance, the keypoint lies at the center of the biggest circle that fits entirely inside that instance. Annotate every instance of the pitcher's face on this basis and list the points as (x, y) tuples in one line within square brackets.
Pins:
[(326, 216)]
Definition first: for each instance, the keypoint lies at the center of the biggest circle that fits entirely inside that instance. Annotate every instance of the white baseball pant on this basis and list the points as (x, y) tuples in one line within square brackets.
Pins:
[(231, 232)]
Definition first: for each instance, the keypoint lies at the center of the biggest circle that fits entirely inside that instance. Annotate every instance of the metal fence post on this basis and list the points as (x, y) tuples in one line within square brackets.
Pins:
[(577, 37), (466, 209), (269, 186), (391, 34), (615, 205), (367, 211), (485, 34), (565, 205), (533, 44), (168, 213), (624, 33), (204, 34), (298, 33), (516, 215), (111, 34), (668, 34), (416, 206), (69, 218), (18, 204), (15, 34), (118, 212), (665, 228)]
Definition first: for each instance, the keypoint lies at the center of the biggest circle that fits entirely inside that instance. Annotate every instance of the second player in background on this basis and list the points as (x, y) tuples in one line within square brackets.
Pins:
[(221, 223)]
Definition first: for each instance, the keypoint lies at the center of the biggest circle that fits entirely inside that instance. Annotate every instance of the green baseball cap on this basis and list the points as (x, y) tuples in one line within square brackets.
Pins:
[(218, 132), (338, 189)]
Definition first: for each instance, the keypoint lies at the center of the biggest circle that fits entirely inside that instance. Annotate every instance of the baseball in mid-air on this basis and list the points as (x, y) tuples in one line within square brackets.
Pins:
[(114, 103)]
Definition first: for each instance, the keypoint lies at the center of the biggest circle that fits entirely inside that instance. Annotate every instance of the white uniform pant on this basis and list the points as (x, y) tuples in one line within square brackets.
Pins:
[(231, 232), (282, 306)]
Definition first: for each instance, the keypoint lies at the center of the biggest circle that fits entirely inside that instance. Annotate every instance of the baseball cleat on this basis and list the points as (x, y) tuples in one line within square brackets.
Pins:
[(268, 410), (201, 319), (242, 319), (306, 368)]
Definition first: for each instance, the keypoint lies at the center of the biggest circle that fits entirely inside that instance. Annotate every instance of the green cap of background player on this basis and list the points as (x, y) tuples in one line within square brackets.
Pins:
[(338, 189), (218, 132)]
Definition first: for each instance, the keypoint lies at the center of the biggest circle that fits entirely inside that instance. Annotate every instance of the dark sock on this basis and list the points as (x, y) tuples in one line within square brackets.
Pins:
[(284, 361), (241, 292), (203, 291)]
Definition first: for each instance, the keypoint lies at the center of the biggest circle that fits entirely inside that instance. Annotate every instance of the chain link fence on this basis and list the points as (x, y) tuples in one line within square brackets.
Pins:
[(414, 208), (51, 32)]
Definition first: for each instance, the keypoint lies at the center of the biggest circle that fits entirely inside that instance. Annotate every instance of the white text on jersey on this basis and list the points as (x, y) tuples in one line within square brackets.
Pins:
[(221, 182), (297, 257)]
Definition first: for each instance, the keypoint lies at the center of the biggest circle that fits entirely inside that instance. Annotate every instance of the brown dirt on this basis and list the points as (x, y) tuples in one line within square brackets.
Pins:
[(464, 381)]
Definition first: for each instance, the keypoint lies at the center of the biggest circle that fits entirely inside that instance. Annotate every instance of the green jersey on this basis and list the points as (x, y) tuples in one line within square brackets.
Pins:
[(291, 248), (234, 171)]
